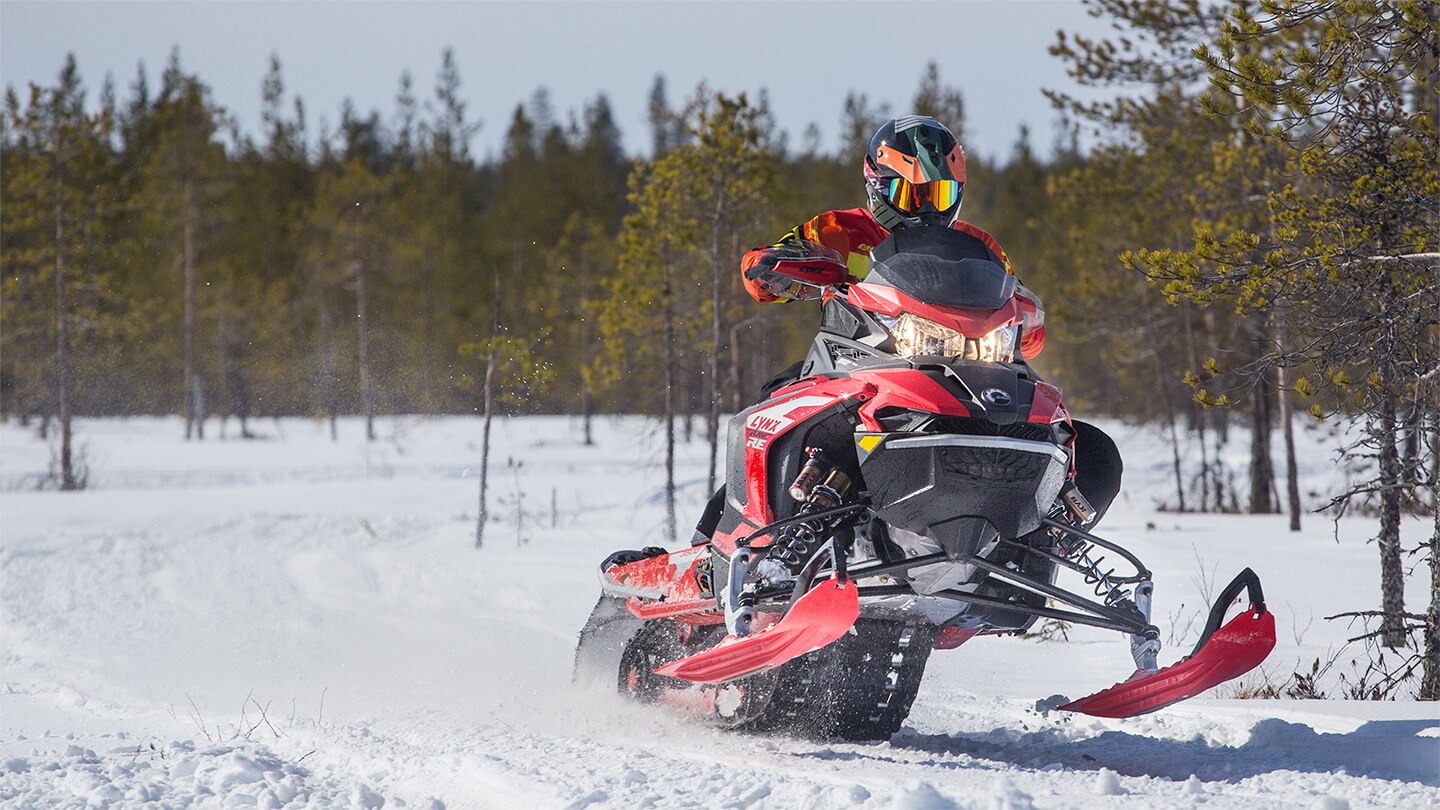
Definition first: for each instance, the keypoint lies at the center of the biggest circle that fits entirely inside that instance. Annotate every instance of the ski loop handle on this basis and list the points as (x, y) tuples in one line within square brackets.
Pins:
[(1246, 580), (1141, 571)]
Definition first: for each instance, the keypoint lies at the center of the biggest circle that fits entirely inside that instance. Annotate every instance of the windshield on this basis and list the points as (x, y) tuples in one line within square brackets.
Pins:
[(941, 266)]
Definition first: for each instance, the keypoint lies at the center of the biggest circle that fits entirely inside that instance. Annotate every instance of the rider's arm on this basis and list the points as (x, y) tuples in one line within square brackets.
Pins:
[(840, 231)]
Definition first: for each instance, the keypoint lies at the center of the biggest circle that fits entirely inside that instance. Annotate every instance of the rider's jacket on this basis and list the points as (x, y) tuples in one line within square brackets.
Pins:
[(853, 233)]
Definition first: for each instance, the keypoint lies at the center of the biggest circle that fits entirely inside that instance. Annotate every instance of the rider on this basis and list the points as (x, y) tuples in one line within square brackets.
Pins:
[(914, 176)]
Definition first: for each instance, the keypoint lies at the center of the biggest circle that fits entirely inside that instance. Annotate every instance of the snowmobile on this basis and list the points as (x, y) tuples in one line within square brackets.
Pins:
[(913, 489)]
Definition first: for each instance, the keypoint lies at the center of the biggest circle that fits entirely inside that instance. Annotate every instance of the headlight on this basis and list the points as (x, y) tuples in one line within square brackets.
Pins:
[(998, 346), (916, 336)]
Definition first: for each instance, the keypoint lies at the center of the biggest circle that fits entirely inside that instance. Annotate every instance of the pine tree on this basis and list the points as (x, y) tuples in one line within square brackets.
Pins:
[(729, 171), (348, 221), (858, 123), (182, 180), (57, 245), (642, 326), (1138, 188)]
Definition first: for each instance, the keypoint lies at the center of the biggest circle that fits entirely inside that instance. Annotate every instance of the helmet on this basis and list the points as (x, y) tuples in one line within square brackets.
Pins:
[(914, 173)]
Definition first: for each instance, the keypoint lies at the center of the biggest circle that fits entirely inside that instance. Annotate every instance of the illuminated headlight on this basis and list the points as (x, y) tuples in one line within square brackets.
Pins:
[(997, 347), (916, 336)]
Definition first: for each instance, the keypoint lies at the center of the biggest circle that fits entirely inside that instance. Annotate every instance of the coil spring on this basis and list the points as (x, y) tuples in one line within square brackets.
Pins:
[(794, 549), (1099, 579)]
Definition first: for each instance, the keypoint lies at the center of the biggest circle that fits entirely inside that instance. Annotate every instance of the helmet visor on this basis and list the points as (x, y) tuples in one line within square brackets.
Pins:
[(909, 197)]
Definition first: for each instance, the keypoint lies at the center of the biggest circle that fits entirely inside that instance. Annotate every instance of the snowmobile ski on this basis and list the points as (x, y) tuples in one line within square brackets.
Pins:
[(816, 620), (1222, 654)]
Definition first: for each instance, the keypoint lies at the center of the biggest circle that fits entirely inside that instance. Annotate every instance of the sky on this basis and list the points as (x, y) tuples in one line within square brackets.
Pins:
[(808, 55)]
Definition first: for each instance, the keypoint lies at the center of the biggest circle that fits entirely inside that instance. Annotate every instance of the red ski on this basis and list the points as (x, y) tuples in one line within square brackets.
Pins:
[(817, 619), (1226, 653)]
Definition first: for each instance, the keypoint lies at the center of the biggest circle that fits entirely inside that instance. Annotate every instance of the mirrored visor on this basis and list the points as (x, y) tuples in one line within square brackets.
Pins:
[(910, 197)]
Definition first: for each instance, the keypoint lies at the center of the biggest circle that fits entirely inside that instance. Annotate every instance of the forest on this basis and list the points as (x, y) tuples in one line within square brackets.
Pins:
[(1243, 233)]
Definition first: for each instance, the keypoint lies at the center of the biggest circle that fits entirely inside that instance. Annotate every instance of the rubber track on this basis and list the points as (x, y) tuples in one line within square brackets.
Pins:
[(859, 688)]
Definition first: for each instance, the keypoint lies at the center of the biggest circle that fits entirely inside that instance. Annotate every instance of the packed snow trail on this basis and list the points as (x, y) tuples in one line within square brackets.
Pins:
[(293, 621)]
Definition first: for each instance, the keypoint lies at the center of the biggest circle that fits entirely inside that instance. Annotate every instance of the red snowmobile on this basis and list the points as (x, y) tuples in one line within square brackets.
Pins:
[(913, 489)]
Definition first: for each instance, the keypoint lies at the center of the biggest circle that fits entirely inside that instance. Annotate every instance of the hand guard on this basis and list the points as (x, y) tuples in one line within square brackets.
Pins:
[(785, 274)]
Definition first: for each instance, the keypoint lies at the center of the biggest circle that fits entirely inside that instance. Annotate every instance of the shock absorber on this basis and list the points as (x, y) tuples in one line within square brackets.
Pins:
[(810, 474), (819, 486)]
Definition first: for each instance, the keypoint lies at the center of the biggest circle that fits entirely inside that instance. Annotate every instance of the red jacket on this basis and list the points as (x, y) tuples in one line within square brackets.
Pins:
[(853, 233)]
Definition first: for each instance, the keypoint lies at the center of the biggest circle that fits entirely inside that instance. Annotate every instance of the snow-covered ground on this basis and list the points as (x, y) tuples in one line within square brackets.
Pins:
[(291, 621)]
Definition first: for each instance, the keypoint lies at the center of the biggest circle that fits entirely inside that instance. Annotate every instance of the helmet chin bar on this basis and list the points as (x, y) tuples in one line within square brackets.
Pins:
[(935, 218)]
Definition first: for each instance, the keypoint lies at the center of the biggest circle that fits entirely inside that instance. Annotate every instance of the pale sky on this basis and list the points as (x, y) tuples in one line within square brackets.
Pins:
[(808, 54)]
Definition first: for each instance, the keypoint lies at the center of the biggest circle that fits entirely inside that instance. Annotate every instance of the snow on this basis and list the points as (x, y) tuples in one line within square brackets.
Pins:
[(295, 622)]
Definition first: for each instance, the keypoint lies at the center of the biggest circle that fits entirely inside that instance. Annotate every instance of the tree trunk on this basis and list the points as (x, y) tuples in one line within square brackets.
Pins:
[(586, 407), (362, 323), (1392, 574), (1199, 417), (685, 407), (1287, 419), (1220, 484), (194, 422), (68, 480), (429, 400), (739, 382), (197, 405), (1435, 454), (484, 514), (327, 367), (1412, 468), (1430, 676), (1262, 471), (717, 344), (737, 372), (232, 367), (489, 404), (669, 416), (1174, 435)]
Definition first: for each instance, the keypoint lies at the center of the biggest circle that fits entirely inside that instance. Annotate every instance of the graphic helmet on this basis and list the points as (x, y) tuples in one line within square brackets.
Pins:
[(914, 173)]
